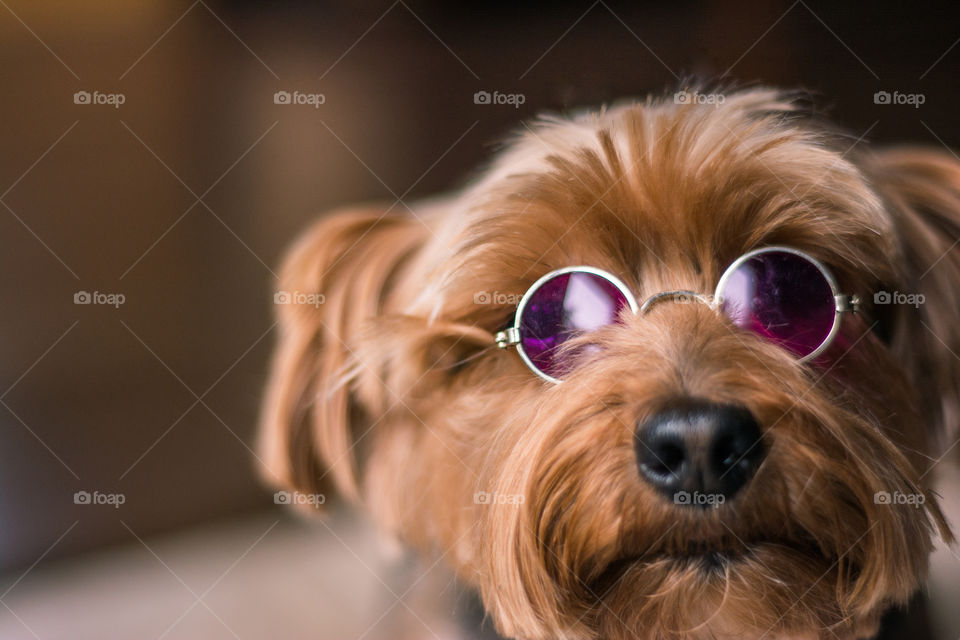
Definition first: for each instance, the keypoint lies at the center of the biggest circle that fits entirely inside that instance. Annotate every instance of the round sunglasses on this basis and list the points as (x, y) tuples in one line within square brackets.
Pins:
[(779, 293)]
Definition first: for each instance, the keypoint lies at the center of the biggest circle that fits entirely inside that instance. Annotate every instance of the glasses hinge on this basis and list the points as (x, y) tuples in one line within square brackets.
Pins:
[(848, 303), (507, 338)]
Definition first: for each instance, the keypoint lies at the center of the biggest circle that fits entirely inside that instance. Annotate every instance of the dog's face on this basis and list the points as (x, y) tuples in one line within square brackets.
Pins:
[(546, 497)]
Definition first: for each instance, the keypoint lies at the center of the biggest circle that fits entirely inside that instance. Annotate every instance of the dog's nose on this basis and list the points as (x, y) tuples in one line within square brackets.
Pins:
[(697, 451)]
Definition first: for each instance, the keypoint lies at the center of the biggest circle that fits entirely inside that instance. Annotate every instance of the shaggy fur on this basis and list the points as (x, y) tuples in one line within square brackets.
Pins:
[(394, 391)]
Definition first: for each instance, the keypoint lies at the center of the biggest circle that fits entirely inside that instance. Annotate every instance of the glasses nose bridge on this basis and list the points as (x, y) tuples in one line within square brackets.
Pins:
[(680, 296)]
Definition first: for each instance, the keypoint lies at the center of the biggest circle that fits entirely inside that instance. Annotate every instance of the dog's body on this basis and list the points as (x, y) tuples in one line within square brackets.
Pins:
[(395, 391)]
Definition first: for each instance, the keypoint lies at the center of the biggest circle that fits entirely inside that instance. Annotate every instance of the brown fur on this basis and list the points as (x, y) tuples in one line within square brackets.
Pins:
[(394, 391)]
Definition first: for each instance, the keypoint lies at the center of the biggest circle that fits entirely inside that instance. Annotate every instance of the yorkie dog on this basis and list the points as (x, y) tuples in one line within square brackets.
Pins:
[(669, 369)]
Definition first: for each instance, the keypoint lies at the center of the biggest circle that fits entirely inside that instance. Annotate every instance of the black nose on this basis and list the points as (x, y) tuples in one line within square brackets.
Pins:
[(695, 451)]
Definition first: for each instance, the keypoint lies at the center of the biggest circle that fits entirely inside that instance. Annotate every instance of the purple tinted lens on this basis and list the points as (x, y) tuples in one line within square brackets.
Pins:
[(562, 307), (783, 297)]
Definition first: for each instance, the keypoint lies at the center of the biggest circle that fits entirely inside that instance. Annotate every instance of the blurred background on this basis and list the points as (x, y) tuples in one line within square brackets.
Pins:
[(152, 171)]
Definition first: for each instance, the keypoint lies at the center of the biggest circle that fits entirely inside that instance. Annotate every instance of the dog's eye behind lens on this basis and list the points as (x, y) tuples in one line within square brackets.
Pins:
[(564, 306), (783, 297)]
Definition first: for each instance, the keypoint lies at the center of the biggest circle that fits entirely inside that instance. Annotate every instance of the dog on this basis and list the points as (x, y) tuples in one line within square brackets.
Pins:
[(667, 369)]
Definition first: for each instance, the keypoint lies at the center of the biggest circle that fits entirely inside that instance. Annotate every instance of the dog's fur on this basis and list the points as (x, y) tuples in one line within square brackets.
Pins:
[(394, 390)]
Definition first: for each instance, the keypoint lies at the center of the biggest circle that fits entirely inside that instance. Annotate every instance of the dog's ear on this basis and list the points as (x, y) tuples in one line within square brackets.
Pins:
[(351, 267), (921, 190)]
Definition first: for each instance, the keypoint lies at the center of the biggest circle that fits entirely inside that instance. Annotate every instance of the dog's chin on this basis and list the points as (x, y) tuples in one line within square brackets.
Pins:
[(767, 589)]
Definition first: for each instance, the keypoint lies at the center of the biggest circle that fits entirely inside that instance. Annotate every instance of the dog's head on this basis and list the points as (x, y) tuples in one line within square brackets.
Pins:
[(574, 507)]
